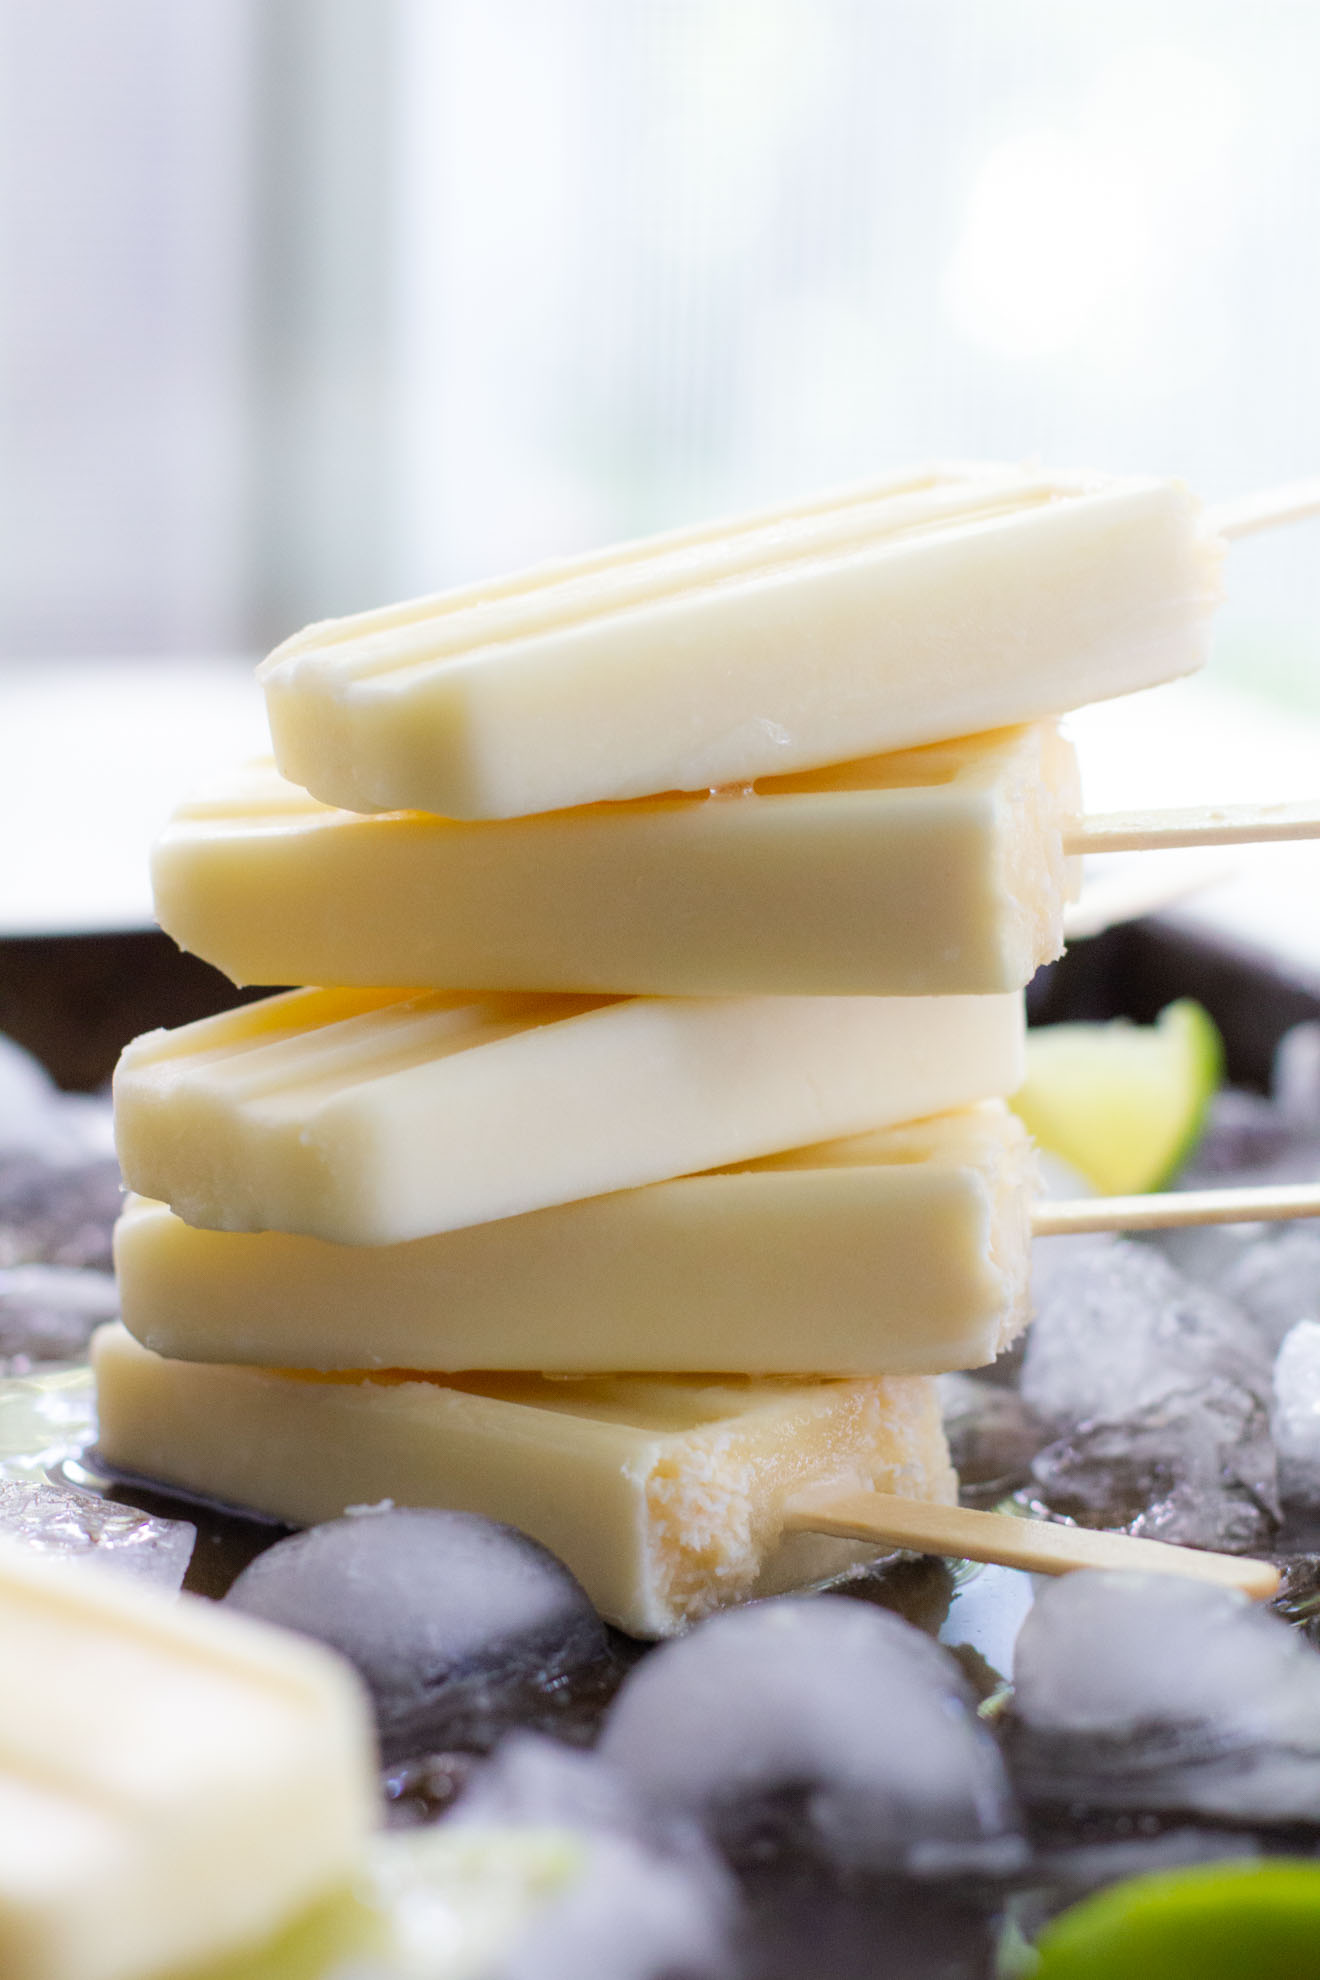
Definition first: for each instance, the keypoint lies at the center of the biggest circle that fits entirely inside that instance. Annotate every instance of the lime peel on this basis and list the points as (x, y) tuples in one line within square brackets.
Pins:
[(1220, 1921), (1124, 1104)]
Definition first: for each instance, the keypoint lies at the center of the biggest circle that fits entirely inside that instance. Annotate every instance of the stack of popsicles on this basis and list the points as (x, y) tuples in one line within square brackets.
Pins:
[(673, 1164)]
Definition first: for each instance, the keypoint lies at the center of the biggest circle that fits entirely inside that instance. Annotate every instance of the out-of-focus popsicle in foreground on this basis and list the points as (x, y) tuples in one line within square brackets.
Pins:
[(939, 603), (904, 1251), (665, 1495), (934, 871), (374, 1117), (175, 1784)]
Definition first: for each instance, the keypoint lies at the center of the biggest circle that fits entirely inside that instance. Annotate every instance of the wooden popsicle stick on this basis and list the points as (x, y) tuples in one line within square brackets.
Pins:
[(1273, 1203), (1040, 1546), (1201, 825), (1268, 508)]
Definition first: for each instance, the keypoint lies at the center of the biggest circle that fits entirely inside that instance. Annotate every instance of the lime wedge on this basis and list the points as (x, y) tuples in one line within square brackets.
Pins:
[(1122, 1103), (1221, 1921)]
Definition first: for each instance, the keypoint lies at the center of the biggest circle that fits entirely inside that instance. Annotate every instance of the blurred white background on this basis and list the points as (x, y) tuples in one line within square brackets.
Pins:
[(309, 303)]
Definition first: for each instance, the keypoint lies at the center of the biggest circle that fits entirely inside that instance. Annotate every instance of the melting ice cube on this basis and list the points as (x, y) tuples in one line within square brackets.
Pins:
[(58, 1519), (1149, 1692), (459, 1626), (823, 1723), (1160, 1390)]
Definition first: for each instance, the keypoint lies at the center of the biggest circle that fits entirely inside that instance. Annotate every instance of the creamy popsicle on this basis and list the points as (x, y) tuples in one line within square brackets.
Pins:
[(175, 1784), (935, 604), (666, 1496), (932, 871), (374, 1117), (904, 1251)]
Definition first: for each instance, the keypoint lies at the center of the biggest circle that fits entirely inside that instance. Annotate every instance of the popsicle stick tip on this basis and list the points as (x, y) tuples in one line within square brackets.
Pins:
[(1205, 825), (1176, 1209), (1266, 508), (1035, 1545)]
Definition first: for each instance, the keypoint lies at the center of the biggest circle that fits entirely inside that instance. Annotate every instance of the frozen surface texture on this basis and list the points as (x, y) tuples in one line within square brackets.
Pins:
[(1158, 1390), (823, 1725), (1145, 1693), (59, 1519), (1297, 1415), (460, 1627)]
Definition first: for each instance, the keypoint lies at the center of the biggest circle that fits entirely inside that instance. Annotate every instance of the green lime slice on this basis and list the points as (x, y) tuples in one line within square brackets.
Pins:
[(1221, 1921), (1122, 1103)]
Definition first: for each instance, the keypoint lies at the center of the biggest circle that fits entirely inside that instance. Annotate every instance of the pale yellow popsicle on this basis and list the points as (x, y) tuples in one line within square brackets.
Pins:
[(664, 1495), (373, 1117), (934, 871), (175, 1784), (938, 603), (900, 1252)]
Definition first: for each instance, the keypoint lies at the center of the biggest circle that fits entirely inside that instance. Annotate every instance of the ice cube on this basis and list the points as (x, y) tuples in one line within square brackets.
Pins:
[(541, 1783), (58, 1519), (1196, 1468), (45, 1419), (47, 1312), (513, 1903), (1295, 1085), (1150, 1692), (821, 1724), (992, 1435), (1297, 1415), (58, 1214), (1160, 1388), (459, 1626), (1276, 1280), (1117, 1328)]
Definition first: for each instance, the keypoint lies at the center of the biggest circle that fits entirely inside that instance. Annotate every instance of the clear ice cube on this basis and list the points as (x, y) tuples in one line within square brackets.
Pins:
[(45, 1419), (1159, 1388), (1297, 1415), (993, 1435), (47, 1312), (823, 1726), (460, 1627), (539, 1783), (1276, 1279), (58, 1519), (1156, 1693), (513, 1903), (1117, 1328), (1196, 1468), (58, 1213)]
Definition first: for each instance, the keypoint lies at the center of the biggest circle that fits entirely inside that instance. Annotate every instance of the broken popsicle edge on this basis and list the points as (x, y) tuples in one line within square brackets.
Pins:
[(1038, 1546)]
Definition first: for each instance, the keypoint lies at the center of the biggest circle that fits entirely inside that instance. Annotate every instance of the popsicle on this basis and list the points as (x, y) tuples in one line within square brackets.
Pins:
[(667, 1496), (935, 604), (902, 1251), (175, 1783), (664, 1495), (932, 871), (375, 1116)]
